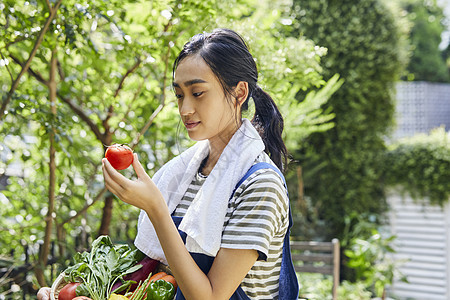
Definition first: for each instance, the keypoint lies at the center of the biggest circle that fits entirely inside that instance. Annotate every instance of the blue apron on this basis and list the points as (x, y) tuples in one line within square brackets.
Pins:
[(288, 286)]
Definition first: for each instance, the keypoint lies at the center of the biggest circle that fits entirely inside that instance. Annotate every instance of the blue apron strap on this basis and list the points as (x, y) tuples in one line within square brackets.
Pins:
[(288, 286)]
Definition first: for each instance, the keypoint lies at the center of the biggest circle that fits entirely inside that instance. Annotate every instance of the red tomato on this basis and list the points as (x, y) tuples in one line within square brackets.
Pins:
[(68, 292), (119, 156)]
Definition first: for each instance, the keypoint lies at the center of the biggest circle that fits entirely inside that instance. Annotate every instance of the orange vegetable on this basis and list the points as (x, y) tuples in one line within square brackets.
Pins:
[(158, 276), (171, 279)]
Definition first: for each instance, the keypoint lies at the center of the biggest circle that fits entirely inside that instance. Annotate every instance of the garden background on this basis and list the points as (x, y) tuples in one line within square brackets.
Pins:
[(77, 76)]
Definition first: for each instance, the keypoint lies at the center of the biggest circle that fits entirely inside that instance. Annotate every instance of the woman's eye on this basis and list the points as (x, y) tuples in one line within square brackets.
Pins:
[(197, 94), (179, 96)]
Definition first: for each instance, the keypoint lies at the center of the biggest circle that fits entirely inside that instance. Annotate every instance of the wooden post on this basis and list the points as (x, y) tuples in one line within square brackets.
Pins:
[(336, 267), (301, 192)]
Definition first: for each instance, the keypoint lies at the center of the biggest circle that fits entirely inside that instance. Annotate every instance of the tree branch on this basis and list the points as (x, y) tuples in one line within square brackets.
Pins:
[(35, 74), (45, 250), (49, 6), (116, 93), (30, 58), (61, 71), (76, 109), (136, 94), (146, 126), (85, 208), (105, 124), (7, 68), (129, 71), (163, 96), (73, 106), (17, 40)]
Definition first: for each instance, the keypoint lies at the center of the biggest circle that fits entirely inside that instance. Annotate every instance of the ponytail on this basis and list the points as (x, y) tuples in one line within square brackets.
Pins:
[(269, 122)]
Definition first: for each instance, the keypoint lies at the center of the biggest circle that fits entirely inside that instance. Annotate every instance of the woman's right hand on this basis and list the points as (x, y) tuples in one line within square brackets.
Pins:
[(142, 192), (44, 293)]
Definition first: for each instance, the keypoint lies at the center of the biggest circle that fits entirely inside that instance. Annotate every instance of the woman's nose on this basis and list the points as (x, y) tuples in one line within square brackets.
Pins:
[(186, 107)]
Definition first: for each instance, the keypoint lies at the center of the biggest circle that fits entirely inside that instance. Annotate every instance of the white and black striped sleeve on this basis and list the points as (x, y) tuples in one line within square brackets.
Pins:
[(256, 213)]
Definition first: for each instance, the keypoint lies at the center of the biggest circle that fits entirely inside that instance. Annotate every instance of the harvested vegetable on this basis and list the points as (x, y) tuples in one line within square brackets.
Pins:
[(158, 276), (148, 266), (160, 290), (141, 291), (68, 292), (120, 156), (117, 297), (99, 269), (171, 279)]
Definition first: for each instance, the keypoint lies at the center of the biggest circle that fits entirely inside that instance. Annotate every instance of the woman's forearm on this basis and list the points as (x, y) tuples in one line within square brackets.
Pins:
[(190, 278)]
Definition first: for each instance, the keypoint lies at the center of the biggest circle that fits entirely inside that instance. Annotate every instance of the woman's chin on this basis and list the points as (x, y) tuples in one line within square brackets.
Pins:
[(196, 137)]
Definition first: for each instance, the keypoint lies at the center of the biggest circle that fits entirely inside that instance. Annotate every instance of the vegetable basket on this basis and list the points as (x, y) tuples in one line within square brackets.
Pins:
[(110, 266), (57, 285), (59, 282)]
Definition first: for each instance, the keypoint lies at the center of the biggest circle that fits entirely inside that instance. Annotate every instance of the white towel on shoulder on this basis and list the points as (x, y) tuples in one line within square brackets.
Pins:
[(204, 219)]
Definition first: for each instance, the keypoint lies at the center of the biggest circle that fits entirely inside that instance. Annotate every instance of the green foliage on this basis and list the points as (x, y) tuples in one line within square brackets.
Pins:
[(305, 117), (353, 291), (99, 269), (341, 172), (288, 66), (420, 166), (113, 76), (368, 252), (428, 22), (317, 286)]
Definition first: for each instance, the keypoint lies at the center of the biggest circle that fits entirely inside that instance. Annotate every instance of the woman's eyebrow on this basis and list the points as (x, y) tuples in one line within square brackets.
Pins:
[(189, 82)]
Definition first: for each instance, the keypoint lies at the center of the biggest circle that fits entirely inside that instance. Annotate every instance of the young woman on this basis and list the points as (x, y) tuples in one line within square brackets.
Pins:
[(223, 230)]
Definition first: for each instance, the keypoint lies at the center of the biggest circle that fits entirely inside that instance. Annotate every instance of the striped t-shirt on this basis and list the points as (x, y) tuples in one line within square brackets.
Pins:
[(257, 218)]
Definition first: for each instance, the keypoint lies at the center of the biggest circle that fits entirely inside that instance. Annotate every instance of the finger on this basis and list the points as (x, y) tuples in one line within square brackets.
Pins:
[(110, 184), (115, 175), (138, 168)]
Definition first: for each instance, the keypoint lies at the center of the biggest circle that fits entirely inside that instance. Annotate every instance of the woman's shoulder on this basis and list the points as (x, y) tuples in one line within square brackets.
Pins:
[(262, 180), (266, 173)]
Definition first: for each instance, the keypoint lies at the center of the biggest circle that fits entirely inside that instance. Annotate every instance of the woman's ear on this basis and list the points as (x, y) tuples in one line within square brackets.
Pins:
[(241, 92)]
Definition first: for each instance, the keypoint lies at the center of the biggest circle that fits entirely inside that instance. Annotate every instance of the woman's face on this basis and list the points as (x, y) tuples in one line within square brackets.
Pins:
[(203, 107)]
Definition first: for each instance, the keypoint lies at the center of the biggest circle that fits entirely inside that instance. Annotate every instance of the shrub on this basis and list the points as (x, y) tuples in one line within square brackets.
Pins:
[(420, 165), (341, 171)]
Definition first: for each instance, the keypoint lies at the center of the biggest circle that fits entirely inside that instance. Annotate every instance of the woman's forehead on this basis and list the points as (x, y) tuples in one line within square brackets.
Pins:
[(192, 69)]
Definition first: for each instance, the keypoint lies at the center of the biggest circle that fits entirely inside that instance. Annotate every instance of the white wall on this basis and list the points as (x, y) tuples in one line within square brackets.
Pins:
[(423, 243)]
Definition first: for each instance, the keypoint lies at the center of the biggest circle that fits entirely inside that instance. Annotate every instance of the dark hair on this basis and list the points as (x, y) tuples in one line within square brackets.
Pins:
[(228, 56)]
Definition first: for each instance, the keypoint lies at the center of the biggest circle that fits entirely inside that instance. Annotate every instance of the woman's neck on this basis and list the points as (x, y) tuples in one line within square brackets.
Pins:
[(210, 161), (216, 147)]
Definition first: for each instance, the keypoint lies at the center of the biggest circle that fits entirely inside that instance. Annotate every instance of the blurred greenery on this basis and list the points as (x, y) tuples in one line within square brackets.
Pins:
[(420, 166), (428, 22), (340, 169), (318, 286), (369, 249)]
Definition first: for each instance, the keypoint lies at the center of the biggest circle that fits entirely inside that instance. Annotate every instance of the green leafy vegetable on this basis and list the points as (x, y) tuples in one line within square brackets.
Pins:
[(100, 268)]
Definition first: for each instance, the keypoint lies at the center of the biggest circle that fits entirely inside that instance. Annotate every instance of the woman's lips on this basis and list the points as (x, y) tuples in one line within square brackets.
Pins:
[(191, 125)]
